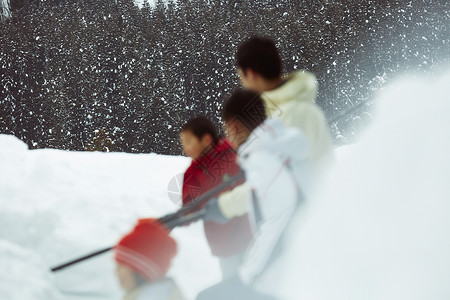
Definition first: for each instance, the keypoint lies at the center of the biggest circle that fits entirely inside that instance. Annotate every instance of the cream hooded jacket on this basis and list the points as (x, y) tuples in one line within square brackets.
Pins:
[(294, 103)]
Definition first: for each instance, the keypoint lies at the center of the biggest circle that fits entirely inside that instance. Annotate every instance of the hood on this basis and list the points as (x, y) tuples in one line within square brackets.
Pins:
[(299, 86), (272, 136)]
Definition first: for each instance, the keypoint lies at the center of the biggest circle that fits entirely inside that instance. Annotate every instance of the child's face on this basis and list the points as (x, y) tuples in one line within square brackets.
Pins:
[(126, 277), (244, 78), (193, 146), (248, 79), (236, 133)]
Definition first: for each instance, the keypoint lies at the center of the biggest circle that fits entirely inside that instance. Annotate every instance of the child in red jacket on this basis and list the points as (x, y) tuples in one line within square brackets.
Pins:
[(213, 161)]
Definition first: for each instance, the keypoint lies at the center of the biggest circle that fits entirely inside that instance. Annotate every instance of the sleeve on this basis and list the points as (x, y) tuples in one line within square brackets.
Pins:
[(235, 203), (191, 187)]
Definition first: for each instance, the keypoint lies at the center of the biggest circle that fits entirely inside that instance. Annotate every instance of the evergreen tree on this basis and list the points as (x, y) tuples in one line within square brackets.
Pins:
[(68, 68)]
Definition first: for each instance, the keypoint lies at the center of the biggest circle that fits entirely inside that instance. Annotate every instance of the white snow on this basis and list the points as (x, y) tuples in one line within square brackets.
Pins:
[(23, 275), (380, 228), (61, 205), (140, 3)]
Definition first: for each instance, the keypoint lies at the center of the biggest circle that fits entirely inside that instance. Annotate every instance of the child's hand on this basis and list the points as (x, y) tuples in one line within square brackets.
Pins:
[(213, 212)]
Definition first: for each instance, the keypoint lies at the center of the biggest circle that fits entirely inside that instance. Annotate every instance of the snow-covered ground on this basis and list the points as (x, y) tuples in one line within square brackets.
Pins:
[(60, 205), (379, 229)]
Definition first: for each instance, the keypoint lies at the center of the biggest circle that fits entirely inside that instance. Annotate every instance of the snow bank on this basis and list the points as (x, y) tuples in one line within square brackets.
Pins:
[(13, 163), (380, 229), (9, 144), (23, 275), (65, 204)]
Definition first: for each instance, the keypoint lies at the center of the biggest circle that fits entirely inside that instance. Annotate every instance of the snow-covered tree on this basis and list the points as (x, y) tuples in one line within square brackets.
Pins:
[(68, 67), (5, 12)]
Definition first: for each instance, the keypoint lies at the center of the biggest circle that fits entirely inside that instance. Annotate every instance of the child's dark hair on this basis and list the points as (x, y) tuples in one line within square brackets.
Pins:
[(245, 106), (261, 55), (200, 126)]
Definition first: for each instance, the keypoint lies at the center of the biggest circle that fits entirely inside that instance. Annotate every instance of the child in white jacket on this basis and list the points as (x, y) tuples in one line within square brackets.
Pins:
[(275, 160)]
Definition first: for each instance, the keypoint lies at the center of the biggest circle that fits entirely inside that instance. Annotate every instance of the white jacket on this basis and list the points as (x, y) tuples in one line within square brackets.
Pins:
[(294, 103), (275, 159)]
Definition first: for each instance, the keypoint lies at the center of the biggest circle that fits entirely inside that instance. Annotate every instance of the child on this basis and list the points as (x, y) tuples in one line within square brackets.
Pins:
[(213, 161), (290, 97), (143, 258), (277, 168)]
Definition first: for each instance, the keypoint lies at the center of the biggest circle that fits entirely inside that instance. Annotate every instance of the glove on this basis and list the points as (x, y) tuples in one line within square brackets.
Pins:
[(213, 212)]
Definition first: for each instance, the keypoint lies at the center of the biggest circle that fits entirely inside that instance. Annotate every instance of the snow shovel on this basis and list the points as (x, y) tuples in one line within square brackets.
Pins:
[(180, 221), (189, 213)]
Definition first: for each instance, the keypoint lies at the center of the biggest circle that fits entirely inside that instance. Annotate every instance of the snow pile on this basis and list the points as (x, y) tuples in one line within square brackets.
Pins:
[(13, 163), (62, 205), (23, 275), (10, 144), (380, 229)]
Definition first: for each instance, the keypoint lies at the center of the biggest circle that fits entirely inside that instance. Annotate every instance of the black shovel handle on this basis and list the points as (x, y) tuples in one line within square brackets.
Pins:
[(192, 217), (83, 258), (189, 213)]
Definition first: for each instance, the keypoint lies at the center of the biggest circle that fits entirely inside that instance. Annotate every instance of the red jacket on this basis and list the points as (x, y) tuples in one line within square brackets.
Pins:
[(205, 173)]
